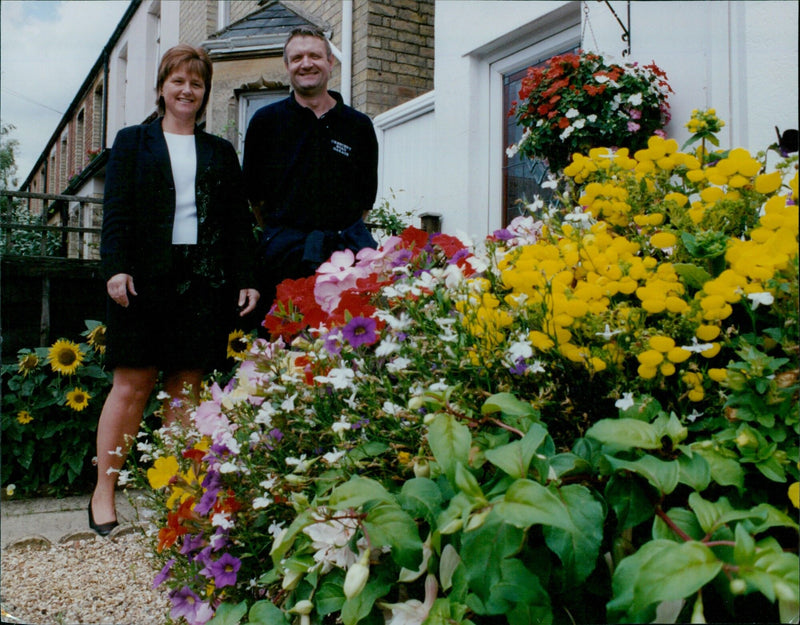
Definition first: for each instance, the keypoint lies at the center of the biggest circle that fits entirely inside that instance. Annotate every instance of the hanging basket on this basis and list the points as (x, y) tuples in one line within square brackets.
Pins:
[(575, 102)]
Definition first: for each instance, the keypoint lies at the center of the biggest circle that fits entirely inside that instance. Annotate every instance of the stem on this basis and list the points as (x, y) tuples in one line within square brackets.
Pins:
[(671, 524)]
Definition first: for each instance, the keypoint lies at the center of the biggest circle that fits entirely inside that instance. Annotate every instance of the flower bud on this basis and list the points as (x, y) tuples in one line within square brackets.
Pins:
[(738, 586), (357, 576), (302, 607), (421, 468), (452, 527)]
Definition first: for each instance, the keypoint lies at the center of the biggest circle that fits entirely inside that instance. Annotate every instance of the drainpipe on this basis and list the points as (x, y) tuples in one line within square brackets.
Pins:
[(347, 50)]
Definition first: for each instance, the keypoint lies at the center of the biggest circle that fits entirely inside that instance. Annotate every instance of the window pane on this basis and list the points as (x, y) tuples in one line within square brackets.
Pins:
[(522, 176)]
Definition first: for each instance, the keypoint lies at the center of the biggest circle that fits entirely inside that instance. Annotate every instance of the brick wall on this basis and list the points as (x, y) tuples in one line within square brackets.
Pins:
[(392, 48), (396, 65)]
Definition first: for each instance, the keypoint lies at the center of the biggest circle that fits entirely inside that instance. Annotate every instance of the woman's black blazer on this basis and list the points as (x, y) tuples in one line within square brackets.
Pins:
[(139, 209)]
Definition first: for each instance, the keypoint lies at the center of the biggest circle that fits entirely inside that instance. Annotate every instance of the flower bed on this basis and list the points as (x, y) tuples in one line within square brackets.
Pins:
[(589, 417)]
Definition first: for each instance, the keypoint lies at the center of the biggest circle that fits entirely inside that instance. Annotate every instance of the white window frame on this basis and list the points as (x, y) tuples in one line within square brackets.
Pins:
[(550, 33), (249, 103)]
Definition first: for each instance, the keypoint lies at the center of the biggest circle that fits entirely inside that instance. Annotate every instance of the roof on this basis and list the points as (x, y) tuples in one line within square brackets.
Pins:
[(262, 30)]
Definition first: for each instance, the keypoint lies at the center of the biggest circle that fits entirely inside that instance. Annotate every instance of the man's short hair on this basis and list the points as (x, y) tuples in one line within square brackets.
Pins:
[(307, 31)]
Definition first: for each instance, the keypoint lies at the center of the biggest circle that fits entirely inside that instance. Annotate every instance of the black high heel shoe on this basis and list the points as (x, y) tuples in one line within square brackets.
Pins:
[(104, 529)]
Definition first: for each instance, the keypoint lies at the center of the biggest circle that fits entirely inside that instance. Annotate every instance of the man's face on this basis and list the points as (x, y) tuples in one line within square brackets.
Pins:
[(308, 64)]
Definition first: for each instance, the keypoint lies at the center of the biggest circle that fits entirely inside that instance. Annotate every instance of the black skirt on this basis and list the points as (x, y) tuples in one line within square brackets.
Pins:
[(178, 321)]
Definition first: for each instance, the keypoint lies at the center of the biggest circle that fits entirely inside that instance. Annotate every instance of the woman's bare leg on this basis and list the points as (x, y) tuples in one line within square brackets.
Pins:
[(183, 387), (118, 425)]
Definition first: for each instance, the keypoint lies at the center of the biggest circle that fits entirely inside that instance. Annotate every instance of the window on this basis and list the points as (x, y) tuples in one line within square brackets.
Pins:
[(514, 181), (249, 103), (153, 47), (80, 142), (122, 86), (522, 176)]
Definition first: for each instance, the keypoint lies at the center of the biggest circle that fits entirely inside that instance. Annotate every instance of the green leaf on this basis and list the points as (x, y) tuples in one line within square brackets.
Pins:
[(724, 471), (625, 434), (468, 485), (694, 471), (579, 547), (629, 499), (662, 570), (279, 549), (515, 458), (330, 597), (680, 570), (450, 442), (661, 474), (775, 573), (516, 586), (388, 524), (361, 605), (229, 614), (484, 550), (528, 503), (507, 404), (421, 497), (693, 276), (356, 492)]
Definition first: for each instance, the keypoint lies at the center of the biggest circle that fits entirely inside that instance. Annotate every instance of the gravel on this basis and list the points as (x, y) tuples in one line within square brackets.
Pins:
[(87, 581)]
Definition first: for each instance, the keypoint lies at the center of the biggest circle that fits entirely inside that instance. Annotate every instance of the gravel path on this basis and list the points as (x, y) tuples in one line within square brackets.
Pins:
[(88, 582)]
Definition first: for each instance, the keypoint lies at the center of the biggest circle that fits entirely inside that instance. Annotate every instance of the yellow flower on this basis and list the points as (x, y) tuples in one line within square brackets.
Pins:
[(162, 471), (794, 494), (97, 339), (678, 354), (64, 357), (663, 240), (78, 399), (707, 333), (27, 363), (661, 343), (24, 417), (237, 345), (540, 340), (718, 375), (768, 183)]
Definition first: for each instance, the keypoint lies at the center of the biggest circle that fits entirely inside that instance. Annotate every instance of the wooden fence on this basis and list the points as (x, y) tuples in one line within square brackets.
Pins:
[(51, 288)]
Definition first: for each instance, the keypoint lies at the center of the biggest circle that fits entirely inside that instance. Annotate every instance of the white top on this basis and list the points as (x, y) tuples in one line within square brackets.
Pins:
[(183, 159)]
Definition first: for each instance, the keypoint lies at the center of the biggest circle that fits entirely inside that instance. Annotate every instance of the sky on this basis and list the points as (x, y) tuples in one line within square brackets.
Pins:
[(46, 52)]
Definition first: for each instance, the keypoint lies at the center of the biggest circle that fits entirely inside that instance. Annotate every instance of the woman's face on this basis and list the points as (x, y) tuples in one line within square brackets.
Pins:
[(183, 93)]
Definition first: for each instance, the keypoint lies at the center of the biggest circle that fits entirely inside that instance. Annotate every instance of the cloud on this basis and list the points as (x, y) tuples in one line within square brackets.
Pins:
[(47, 50)]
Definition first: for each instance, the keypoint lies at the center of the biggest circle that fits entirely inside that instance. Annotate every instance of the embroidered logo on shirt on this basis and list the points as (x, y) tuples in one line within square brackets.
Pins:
[(341, 148)]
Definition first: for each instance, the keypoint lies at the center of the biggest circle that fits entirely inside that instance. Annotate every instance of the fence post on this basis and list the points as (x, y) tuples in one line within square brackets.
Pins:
[(44, 323)]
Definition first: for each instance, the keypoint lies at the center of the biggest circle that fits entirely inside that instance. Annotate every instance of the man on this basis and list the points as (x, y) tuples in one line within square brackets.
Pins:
[(310, 168)]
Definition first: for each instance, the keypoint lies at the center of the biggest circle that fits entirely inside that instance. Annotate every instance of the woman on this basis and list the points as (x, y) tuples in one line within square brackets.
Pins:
[(175, 251)]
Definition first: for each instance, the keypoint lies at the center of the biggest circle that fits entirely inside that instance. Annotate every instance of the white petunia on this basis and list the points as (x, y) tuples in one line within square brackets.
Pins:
[(572, 113), (626, 401), (398, 364), (696, 347), (261, 502), (762, 298), (228, 467), (288, 403), (635, 99)]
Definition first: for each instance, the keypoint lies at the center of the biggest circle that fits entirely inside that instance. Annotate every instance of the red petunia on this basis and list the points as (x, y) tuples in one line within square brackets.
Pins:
[(167, 536)]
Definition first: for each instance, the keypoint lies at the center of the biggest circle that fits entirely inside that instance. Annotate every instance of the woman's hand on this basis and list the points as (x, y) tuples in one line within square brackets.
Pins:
[(248, 298), (118, 287)]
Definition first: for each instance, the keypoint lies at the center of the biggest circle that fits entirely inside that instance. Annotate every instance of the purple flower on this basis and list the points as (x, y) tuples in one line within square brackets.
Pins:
[(276, 435), (163, 574), (360, 331), (459, 255), (633, 126), (223, 571), (185, 603), (519, 367), (503, 235), (212, 484), (192, 543)]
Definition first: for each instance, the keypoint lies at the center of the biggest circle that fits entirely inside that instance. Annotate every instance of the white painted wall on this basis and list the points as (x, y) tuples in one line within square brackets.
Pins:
[(739, 57), (138, 80)]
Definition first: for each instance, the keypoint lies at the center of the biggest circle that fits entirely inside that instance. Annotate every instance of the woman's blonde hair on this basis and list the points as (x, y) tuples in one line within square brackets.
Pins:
[(196, 61)]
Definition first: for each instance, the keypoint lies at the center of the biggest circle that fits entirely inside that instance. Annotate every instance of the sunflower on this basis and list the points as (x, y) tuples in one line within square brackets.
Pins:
[(24, 417), (97, 339), (78, 399), (237, 345), (28, 363), (64, 357)]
